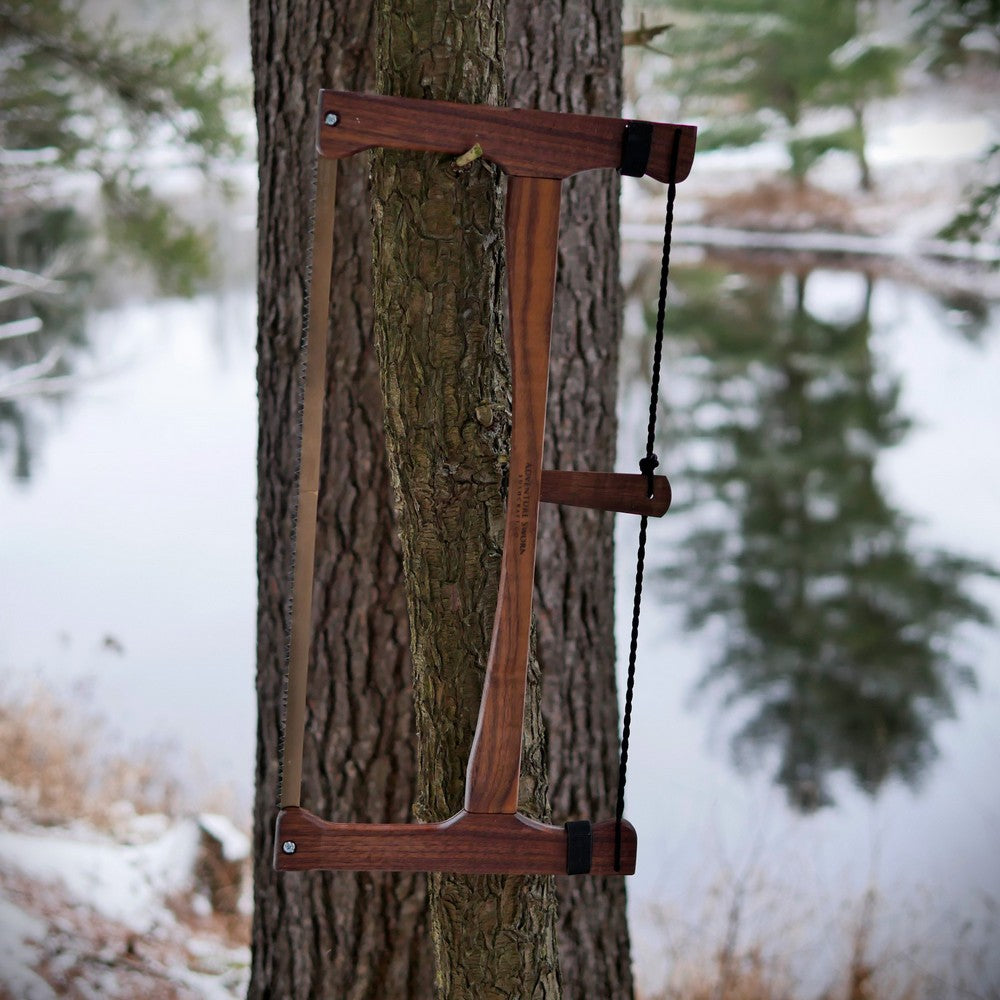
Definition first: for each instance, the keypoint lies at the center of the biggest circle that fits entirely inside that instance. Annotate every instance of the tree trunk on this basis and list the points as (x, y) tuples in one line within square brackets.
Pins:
[(861, 148), (328, 935), (438, 288), (358, 759), (569, 58)]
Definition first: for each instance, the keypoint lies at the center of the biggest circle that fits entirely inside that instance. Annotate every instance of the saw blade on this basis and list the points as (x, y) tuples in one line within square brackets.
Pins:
[(319, 263)]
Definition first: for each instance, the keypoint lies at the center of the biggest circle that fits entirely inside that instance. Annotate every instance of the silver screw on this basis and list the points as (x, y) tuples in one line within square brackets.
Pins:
[(331, 118), (288, 847)]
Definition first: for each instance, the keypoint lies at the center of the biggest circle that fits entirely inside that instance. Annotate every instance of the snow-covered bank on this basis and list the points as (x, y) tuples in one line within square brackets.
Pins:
[(947, 266), (154, 906), (928, 151), (841, 244)]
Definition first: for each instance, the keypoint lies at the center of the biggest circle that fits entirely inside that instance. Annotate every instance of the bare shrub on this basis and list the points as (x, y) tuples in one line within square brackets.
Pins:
[(55, 753), (717, 953)]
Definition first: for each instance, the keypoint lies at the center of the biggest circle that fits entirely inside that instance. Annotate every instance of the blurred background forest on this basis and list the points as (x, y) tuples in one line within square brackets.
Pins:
[(815, 744)]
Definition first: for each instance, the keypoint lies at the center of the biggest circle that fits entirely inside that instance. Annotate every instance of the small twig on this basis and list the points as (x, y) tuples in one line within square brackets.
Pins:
[(644, 34), (34, 378), (20, 328), (470, 156), (20, 282)]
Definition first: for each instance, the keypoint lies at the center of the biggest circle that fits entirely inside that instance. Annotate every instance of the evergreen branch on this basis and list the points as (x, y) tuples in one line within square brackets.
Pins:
[(149, 80)]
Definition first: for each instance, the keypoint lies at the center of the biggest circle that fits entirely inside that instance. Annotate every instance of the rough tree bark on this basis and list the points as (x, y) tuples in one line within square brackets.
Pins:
[(568, 57), (362, 936), (344, 934), (438, 292)]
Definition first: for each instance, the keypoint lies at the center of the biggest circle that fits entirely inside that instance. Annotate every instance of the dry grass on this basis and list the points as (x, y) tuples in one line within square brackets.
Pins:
[(781, 205), (748, 979), (750, 975), (54, 752), (712, 954)]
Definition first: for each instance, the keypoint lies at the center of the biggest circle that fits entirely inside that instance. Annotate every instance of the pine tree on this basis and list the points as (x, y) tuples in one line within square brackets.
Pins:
[(956, 33), (951, 31), (759, 69), (836, 626), (82, 104)]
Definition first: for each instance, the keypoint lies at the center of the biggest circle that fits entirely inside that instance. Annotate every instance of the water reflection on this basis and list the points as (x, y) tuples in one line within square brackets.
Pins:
[(836, 628)]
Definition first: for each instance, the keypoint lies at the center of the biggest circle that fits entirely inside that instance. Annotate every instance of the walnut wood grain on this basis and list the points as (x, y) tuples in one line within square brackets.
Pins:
[(537, 149), (624, 493), (532, 233), (522, 142), (469, 843)]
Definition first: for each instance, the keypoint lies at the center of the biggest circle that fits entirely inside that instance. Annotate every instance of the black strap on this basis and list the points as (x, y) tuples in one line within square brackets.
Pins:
[(579, 846), (636, 142), (646, 466)]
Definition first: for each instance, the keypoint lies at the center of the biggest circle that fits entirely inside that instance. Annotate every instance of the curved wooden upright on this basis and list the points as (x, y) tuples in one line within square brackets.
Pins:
[(536, 149)]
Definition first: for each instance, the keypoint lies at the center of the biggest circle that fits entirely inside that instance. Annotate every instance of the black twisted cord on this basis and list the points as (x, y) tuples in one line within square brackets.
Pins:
[(646, 466)]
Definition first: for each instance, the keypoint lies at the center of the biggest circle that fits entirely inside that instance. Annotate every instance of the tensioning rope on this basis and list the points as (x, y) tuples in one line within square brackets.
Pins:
[(647, 466)]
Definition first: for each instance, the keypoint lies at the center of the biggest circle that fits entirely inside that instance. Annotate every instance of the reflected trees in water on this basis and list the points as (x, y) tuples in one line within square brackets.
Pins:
[(837, 627)]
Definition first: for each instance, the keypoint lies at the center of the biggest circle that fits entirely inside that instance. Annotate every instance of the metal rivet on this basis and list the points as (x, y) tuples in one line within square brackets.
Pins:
[(288, 847), (331, 118)]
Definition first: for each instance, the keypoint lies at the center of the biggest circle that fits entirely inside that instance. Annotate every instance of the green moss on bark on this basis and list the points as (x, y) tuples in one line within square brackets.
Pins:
[(438, 296)]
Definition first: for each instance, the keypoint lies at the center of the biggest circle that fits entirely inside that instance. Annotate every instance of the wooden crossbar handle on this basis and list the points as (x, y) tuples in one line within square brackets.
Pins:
[(624, 493), (520, 141), (470, 843)]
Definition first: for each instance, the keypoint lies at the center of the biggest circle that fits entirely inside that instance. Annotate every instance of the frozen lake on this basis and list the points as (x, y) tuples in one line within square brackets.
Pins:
[(129, 559)]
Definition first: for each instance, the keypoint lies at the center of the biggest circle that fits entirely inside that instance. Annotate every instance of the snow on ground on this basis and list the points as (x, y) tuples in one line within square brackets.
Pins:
[(234, 843), (125, 883), (21, 933), (154, 909)]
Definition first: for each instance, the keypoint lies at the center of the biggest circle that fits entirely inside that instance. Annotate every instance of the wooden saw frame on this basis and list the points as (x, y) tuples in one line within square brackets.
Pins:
[(536, 150)]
